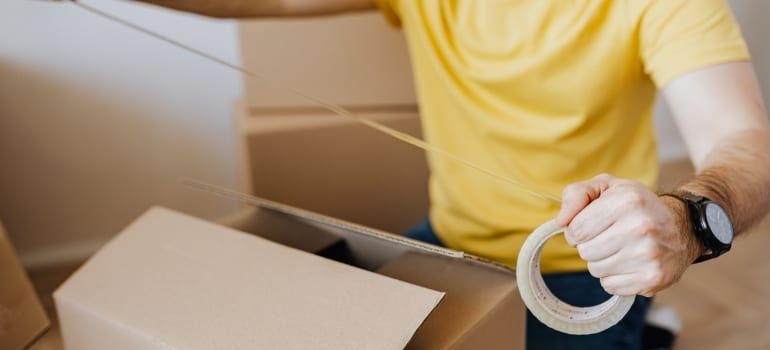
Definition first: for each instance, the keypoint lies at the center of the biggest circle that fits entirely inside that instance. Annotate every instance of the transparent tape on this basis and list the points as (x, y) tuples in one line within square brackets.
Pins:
[(548, 308)]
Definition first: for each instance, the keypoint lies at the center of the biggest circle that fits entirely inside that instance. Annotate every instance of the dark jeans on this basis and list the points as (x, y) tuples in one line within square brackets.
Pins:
[(579, 289)]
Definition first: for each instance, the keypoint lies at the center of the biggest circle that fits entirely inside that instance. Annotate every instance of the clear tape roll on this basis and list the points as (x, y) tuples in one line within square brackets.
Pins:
[(548, 308)]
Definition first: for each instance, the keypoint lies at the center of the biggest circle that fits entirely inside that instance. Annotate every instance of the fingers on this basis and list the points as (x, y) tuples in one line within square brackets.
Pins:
[(603, 245), (633, 269), (620, 275), (625, 233), (599, 202), (622, 285), (578, 195), (632, 284), (597, 217), (626, 260)]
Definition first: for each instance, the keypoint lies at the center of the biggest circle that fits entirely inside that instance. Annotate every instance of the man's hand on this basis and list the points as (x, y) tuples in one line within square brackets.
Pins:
[(634, 241), (638, 243)]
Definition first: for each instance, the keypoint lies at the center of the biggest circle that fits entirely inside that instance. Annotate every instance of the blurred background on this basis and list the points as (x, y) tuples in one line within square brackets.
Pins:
[(98, 121)]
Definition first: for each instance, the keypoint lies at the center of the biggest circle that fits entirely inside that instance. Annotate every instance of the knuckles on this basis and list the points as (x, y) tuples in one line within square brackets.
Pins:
[(652, 255), (645, 231), (645, 227), (572, 191), (574, 234), (634, 198), (655, 279), (604, 177)]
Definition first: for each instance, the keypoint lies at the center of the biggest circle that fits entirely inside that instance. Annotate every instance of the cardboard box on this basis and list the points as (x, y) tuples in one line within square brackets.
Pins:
[(22, 318), (355, 60), (295, 151), (299, 280), (337, 167)]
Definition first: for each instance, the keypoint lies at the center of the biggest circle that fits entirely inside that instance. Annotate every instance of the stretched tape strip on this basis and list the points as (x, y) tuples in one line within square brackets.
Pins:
[(332, 107), (548, 308), (540, 301)]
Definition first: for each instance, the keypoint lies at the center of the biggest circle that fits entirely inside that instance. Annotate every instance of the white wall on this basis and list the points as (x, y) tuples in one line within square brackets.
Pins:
[(752, 16), (98, 121)]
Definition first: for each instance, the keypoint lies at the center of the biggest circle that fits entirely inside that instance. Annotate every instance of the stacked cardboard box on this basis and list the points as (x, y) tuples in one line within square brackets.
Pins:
[(338, 167), (295, 151), (353, 60), (22, 318)]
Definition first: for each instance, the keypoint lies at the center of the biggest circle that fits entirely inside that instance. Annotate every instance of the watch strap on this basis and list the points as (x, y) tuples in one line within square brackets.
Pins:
[(691, 202)]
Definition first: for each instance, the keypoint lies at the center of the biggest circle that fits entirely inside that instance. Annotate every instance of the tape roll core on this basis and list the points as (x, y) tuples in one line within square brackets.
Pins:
[(548, 308)]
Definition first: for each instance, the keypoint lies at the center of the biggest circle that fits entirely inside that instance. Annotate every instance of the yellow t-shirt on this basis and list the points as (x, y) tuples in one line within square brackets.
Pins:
[(548, 93)]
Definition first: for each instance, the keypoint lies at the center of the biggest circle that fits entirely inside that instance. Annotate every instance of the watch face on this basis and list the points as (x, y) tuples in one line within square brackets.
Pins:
[(719, 223)]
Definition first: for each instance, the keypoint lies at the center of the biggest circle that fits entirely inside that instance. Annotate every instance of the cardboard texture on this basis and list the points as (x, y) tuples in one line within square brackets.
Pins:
[(364, 62), (295, 151), (481, 310), (22, 317), (170, 281), (338, 168)]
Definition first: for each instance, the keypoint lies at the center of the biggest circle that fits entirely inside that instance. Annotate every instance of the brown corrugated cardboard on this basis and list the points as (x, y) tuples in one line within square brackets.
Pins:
[(114, 298), (481, 310), (22, 318), (338, 167), (170, 281)]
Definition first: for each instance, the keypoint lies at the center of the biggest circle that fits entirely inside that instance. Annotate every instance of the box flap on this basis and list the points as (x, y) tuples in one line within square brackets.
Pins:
[(473, 297), (191, 284), (279, 230), (347, 230), (22, 317)]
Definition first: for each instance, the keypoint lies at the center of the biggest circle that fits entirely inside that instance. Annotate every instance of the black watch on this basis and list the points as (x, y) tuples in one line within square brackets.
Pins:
[(710, 224)]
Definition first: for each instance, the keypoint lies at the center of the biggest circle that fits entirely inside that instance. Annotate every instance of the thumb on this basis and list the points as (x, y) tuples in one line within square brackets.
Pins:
[(577, 196)]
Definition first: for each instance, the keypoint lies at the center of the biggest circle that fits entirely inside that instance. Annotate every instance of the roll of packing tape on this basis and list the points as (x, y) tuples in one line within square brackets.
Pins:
[(548, 308)]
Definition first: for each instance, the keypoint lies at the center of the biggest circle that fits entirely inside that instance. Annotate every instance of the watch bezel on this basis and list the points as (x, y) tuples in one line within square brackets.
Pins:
[(711, 228)]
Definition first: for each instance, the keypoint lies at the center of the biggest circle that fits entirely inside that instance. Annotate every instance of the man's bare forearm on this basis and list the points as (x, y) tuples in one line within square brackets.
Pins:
[(637, 243), (263, 8), (736, 174), (223, 8)]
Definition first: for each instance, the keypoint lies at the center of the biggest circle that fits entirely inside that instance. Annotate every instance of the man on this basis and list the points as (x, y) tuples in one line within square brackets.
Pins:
[(558, 94)]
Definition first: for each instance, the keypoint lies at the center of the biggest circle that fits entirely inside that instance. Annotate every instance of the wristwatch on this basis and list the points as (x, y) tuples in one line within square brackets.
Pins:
[(710, 224)]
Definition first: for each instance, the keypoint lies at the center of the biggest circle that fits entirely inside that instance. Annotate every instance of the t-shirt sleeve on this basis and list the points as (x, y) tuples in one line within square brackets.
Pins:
[(679, 36), (389, 9)]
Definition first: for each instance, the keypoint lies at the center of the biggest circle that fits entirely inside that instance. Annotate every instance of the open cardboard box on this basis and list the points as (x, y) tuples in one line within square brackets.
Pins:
[(287, 278), (22, 318), (337, 167)]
